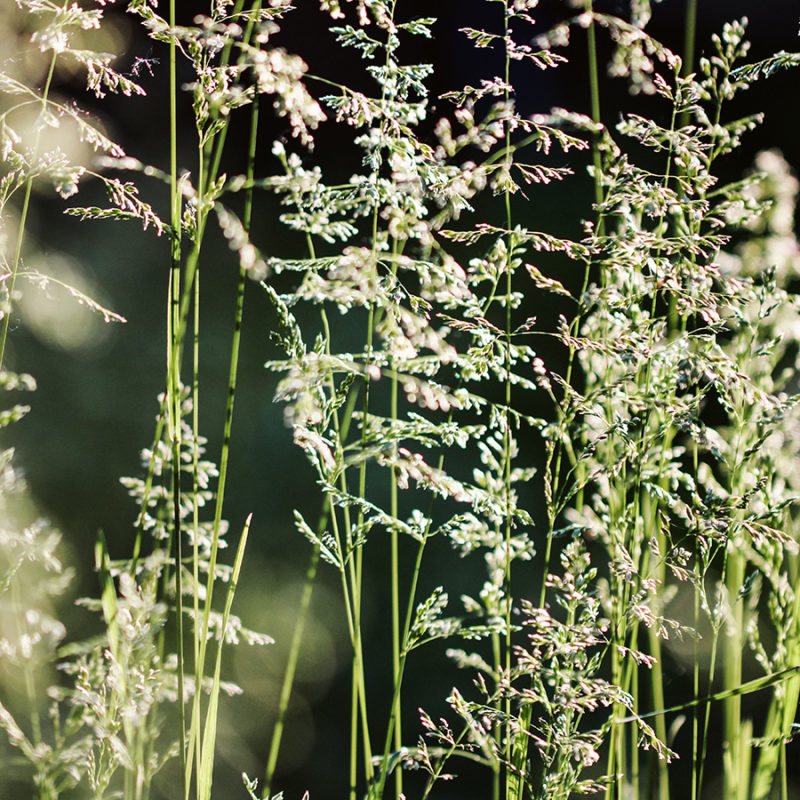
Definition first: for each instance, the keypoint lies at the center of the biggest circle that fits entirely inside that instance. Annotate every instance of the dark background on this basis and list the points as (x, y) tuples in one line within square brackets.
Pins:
[(96, 403)]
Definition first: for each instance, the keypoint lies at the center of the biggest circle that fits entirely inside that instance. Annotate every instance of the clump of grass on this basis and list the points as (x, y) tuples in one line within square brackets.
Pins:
[(633, 446)]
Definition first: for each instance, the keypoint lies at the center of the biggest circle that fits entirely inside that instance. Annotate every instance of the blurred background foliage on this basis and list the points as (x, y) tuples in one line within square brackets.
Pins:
[(96, 402)]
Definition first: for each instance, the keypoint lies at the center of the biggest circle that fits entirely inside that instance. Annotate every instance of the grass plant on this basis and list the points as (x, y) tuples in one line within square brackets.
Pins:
[(596, 419)]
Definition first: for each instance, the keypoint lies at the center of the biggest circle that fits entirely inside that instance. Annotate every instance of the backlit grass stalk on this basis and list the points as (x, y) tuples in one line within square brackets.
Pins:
[(641, 552), (208, 749), (342, 428), (504, 666), (180, 293), (356, 559), (23, 218), (399, 672), (394, 568), (173, 393)]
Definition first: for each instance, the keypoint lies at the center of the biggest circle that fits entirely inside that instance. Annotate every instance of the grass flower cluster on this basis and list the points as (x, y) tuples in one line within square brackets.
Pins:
[(596, 427)]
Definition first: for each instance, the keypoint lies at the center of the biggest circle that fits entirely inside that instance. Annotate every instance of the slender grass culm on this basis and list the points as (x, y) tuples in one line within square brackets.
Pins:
[(554, 451)]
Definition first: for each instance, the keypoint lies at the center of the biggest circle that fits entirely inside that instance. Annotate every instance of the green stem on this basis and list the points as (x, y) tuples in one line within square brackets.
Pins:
[(174, 391), (513, 779), (405, 650), (397, 668), (23, 217), (689, 37), (196, 501), (594, 89), (291, 668), (356, 563), (287, 683), (305, 602)]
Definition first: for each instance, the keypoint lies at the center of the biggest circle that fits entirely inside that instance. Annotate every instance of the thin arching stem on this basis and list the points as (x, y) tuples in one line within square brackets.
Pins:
[(23, 217)]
